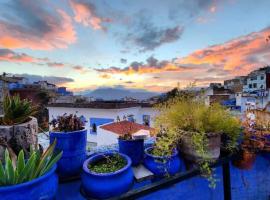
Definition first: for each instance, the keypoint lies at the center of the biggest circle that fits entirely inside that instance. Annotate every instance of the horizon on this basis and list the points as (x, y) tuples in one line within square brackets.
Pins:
[(86, 44)]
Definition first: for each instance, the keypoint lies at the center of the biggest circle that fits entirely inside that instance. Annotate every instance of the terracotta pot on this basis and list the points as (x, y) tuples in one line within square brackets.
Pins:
[(246, 159), (212, 149)]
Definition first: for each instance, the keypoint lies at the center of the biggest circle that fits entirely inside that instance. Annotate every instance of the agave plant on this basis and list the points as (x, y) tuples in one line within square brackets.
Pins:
[(16, 111), (20, 171)]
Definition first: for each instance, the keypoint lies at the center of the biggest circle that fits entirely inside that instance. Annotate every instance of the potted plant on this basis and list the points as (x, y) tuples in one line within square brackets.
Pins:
[(197, 128), (34, 178), (130, 146), (18, 129), (71, 139), (107, 175)]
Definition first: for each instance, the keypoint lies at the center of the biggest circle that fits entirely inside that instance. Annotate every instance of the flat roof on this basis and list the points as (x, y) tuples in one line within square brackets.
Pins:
[(102, 104)]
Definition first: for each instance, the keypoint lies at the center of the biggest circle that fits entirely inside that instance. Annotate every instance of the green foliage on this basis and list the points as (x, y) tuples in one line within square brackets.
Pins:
[(108, 164), (186, 117), (16, 111), (67, 123), (23, 171)]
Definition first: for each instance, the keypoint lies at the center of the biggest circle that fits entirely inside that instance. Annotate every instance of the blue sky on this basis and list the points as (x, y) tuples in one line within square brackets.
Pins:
[(152, 45)]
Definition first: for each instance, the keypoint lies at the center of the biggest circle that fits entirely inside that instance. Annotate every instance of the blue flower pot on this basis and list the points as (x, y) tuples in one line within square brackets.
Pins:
[(43, 187), (162, 166), (133, 148), (106, 185), (73, 145)]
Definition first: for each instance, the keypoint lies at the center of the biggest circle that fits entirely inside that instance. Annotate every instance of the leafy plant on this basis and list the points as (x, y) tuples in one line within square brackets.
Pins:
[(187, 117), (16, 111), (20, 171), (108, 164), (66, 123)]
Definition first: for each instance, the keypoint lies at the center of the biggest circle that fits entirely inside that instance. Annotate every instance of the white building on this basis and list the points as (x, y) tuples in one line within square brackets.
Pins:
[(257, 80), (108, 133), (100, 113)]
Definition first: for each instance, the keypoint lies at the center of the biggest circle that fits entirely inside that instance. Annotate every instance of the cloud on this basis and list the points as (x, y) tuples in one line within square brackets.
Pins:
[(51, 79), (80, 69), (123, 61), (86, 14), (237, 56), (105, 76), (56, 64), (147, 36), (152, 65), (8, 55), (35, 25)]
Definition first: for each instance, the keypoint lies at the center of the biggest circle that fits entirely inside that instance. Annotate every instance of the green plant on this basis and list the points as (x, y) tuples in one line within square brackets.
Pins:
[(16, 111), (181, 117), (19, 170), (108, 164), (66, 123)]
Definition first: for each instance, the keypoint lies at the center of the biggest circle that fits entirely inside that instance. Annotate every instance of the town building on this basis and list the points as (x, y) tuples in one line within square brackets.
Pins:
[(98, 113), (108, 134), (258, 80), (236, 84), (216, 93)]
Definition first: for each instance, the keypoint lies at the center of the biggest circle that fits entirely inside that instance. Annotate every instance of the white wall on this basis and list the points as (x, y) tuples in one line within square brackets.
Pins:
[(88, 113), (105, 138)]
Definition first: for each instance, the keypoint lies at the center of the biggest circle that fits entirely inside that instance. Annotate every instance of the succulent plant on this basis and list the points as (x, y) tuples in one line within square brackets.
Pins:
[(20, 171), (66, 123), (16, 111)]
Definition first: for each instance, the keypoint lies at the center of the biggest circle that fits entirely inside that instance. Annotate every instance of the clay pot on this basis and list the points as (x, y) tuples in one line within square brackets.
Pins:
[(246, 159), (213, 148)]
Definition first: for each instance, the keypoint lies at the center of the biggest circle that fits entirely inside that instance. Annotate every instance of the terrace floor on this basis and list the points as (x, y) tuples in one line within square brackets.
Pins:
[(245, 185)]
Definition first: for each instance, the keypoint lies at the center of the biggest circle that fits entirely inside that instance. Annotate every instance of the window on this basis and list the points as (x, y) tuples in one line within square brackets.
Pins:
[(250, 85), (254, 85), (262, 77), (146, 120), (261, 86)]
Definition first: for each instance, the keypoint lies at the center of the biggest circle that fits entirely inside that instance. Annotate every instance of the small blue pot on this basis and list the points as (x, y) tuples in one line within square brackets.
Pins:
[(102, 186), (73, 145), (133, 148), (43, 187), (162, 166)]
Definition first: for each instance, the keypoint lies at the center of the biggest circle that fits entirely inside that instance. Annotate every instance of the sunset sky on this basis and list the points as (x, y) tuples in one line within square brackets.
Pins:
[(135, 44)]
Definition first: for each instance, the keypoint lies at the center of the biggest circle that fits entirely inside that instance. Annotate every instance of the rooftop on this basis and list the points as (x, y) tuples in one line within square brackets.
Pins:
[(123, 127), (102, 104)]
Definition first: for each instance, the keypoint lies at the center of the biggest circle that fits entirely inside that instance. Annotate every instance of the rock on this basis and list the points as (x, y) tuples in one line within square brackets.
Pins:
[(20, 136)]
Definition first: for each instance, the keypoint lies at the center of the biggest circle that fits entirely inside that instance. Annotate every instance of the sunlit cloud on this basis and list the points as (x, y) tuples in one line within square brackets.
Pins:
[(31, 24), (85, 13)]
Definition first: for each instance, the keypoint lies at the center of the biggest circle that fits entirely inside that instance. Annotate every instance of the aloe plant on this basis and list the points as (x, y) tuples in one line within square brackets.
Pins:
[(16, 111), (20, 171)]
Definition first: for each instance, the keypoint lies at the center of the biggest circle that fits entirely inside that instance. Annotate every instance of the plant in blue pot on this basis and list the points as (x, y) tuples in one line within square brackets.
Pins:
[(106, 175), (71, 139), (162, 158), (32, 178)]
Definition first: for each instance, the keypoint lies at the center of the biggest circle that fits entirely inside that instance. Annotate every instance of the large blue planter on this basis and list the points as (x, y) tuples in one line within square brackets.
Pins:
[(73, 145), (133, 148), (162, 166), (101, 186), (44, 187)]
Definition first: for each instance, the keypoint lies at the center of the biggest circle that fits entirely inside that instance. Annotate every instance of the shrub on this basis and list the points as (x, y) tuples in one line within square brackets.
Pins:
[(66, 123)]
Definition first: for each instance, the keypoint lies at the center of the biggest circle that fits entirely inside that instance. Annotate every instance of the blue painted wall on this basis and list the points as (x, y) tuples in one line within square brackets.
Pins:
[(251, 184), (98, 122)]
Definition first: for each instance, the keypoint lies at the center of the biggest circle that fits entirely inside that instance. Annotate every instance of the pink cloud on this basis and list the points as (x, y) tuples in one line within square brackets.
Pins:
[(85, 13), (36, 26)]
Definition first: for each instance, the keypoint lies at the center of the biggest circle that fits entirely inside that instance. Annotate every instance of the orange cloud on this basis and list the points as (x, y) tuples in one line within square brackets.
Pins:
[(85, 13), (52, 28), (11, 56), (237, 56)]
